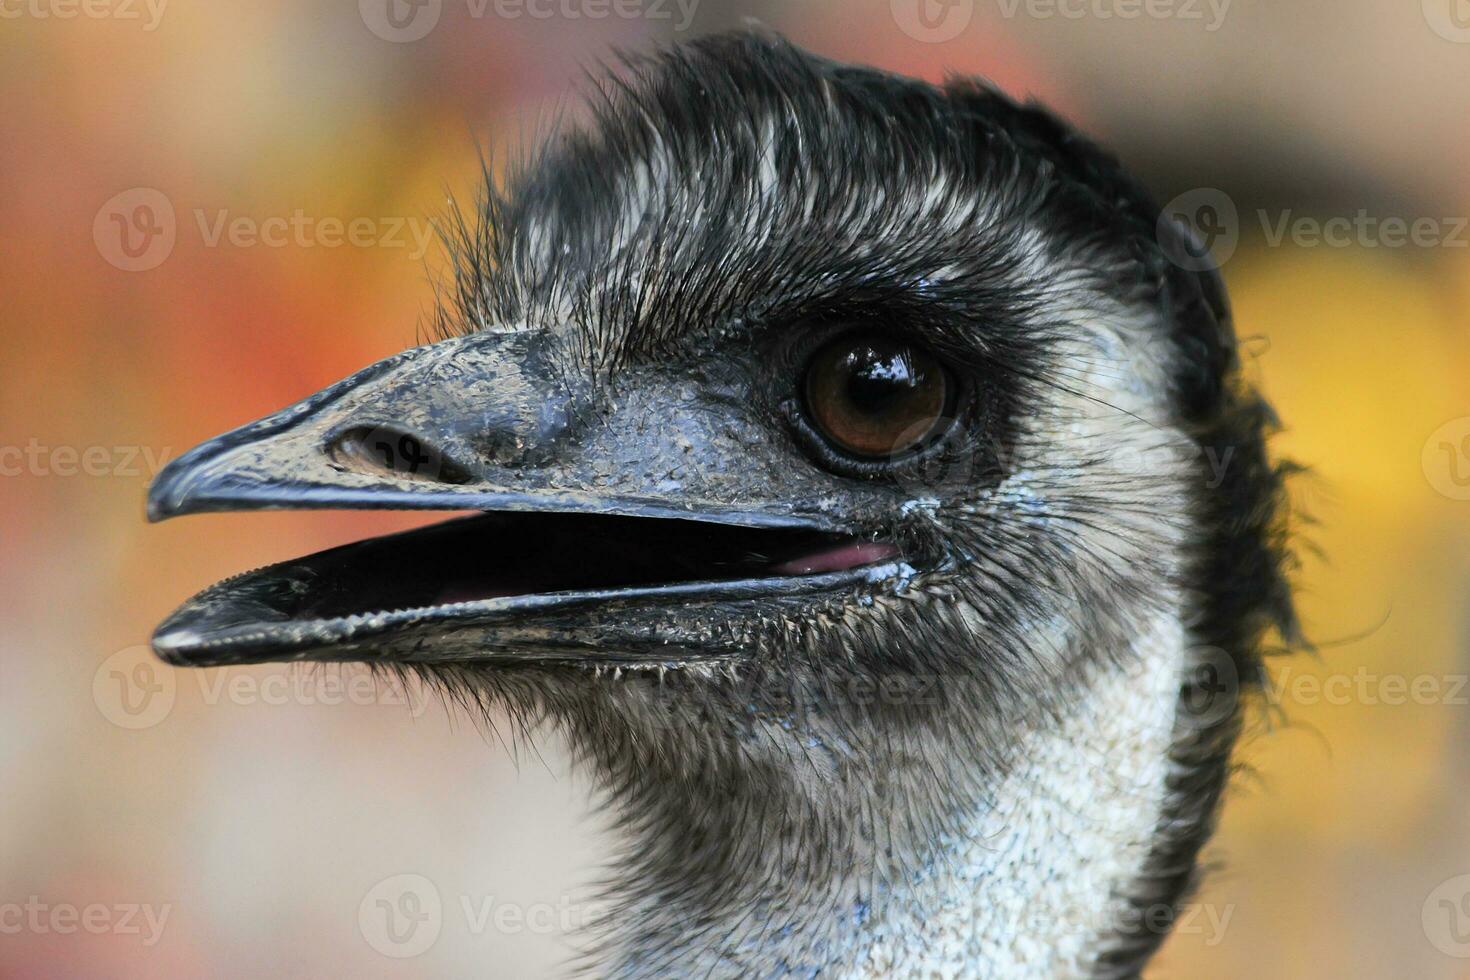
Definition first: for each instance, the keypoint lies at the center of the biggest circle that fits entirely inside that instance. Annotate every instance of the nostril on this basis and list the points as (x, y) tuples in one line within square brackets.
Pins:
[(386, 450)]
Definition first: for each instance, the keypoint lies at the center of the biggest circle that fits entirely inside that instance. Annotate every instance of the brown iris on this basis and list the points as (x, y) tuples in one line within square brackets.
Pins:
[(873, 396)]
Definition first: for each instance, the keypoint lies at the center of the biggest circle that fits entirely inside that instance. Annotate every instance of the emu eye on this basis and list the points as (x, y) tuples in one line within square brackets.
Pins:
[(872, 396)]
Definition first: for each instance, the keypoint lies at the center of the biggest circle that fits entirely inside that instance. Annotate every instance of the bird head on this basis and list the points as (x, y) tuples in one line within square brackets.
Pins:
[(862, 491)]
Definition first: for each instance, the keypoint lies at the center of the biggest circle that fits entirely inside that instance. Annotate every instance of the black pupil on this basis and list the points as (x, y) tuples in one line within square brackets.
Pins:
[(879, 378)]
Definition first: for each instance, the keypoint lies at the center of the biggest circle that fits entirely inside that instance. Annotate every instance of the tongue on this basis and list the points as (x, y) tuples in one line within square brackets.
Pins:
[(837, 558)]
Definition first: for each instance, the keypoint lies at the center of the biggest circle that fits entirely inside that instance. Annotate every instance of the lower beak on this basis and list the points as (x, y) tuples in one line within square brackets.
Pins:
[(518, 587)]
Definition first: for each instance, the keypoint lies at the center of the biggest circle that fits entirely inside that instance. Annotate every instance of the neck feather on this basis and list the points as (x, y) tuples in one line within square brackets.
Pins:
[(1028, 883)]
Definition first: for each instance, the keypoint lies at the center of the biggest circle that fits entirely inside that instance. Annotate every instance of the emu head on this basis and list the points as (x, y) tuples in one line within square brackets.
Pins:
[(867, 497)]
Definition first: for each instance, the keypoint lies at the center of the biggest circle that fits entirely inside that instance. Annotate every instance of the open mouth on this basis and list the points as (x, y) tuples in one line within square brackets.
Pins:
[(498, 566)]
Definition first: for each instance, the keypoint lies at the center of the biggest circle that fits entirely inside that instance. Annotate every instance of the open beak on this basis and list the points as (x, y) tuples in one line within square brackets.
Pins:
[(585, 550)]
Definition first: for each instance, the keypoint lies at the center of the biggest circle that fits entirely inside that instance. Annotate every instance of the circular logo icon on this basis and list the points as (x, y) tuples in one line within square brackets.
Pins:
[(391, 450), (932, 21), (1199, 229), (135, 230), (945, 470), (1210, 689), (1450, 19), (401, 916), (133, 689), (1446, 917), (1446, 459), (400, 21)]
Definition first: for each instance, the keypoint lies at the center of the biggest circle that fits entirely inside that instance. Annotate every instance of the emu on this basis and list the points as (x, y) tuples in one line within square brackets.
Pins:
[(841, 446)]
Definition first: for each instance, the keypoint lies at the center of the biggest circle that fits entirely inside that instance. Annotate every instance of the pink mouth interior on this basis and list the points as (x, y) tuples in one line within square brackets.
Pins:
[(838, 558)]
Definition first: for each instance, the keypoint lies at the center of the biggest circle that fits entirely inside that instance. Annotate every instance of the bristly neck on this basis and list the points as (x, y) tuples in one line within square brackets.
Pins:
[(1029, 880)]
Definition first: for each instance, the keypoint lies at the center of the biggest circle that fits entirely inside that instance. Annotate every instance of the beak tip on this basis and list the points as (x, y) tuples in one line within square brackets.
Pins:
[(182, 486), (170, 646), (164, 501), (166, 492)]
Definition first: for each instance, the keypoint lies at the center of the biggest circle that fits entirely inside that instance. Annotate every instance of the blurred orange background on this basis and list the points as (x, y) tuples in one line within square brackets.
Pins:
[(246, 816)]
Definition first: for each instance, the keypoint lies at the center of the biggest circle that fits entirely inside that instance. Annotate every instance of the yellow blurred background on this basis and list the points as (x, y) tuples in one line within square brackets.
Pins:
[(233, 823)]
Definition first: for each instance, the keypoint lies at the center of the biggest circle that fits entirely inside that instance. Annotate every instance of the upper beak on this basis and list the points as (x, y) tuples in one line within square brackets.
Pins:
[(476, 423), (489, 423)]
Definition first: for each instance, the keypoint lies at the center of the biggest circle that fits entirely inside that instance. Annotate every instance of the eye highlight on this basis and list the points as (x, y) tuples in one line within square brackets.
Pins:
[(876, 397)]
